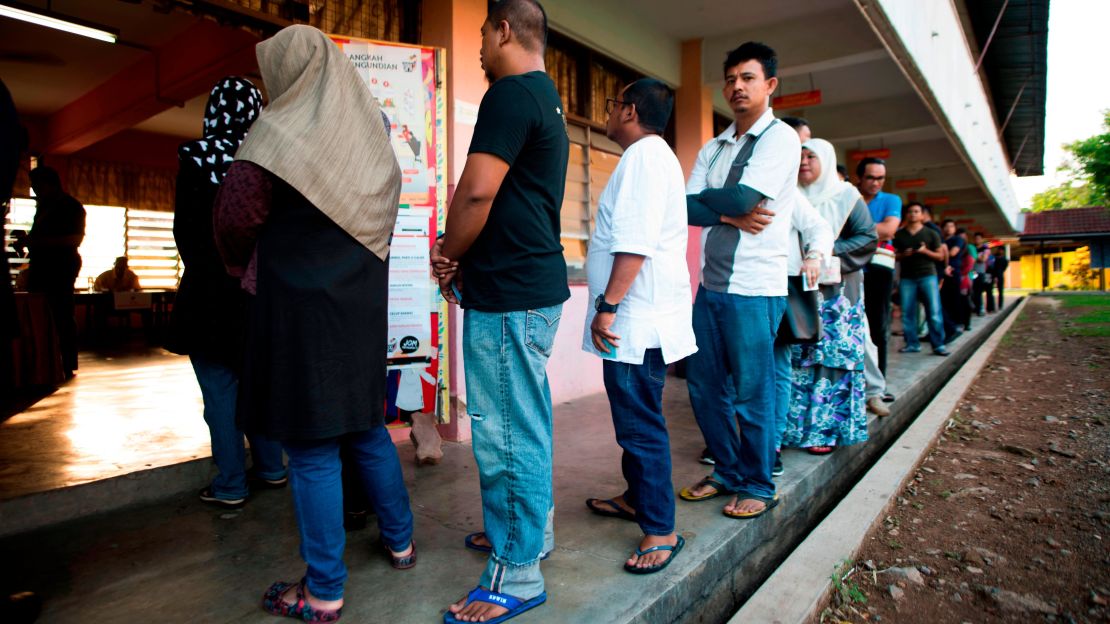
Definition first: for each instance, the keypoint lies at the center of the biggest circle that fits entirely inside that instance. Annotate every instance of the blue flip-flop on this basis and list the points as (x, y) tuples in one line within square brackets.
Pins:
[(472, 545), (515, 605), (659, 566)]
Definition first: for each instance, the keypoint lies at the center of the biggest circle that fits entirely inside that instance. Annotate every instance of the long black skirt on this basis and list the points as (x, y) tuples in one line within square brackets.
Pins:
[(316, 337)]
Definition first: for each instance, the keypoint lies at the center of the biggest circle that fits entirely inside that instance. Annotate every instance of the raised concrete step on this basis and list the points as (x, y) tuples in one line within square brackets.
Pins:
[(138, 560)]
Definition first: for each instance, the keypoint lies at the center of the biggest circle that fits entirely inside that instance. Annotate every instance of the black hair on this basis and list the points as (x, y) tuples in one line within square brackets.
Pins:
[(795, 122), (527, 19), (914, 202), (961, 230), (754, 51), (862, 166), (947, 221), (927, 209), (978, 234), (842, 170), (47, 176), (654, 102)]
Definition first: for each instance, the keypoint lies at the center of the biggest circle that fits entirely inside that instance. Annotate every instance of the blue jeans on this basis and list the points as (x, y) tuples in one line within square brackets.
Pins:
[(219, 386), (735, 336), (911, 288), (784, 374), (636, 400), (509, 402), (314, 473)]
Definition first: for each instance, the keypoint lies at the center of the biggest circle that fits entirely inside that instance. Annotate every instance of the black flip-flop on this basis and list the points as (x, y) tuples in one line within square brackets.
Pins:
[(616, 512), (768, 505), (659, 566), (472, 545)]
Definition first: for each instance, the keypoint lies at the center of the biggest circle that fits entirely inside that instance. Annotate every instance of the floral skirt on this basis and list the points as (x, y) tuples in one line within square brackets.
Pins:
[(828, 406)]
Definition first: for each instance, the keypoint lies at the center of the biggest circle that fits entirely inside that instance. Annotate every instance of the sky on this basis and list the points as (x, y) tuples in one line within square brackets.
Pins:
[(1078, 91)]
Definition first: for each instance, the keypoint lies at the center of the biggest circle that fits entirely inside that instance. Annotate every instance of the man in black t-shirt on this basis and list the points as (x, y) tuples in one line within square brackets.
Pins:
[(57, 232), (918, 248), (501, 259)]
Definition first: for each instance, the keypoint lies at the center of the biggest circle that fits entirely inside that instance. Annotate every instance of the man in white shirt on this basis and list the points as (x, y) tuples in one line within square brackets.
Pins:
[(640, 320), (743, 190)]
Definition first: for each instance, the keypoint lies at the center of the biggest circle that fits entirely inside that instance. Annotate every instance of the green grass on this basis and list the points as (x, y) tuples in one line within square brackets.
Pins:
[(1094, 317)]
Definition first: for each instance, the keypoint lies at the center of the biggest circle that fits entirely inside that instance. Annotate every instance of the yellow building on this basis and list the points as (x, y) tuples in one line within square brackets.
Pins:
[(1060, 269), (1060, 243)]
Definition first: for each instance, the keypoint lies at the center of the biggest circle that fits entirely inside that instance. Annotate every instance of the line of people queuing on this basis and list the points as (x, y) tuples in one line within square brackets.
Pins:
[(284, 218)]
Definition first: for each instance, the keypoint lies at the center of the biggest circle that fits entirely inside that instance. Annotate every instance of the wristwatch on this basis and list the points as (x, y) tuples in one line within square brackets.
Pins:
[(603, 306)]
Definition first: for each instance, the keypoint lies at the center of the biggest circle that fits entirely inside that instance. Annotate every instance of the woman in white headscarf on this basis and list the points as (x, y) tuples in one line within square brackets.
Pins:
[(827, 405), (304, 217)]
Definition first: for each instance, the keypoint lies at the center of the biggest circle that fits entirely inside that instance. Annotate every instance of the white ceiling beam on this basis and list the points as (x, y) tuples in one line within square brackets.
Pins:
[(848, 60)]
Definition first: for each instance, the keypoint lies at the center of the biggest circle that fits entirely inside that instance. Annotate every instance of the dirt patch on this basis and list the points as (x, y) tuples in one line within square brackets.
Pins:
[(1008, 517)]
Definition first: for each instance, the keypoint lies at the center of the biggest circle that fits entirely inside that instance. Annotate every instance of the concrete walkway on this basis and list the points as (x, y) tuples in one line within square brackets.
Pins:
[(179, 561)]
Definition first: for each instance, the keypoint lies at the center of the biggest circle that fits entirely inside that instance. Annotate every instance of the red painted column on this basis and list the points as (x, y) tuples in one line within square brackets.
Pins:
[(693, 127)]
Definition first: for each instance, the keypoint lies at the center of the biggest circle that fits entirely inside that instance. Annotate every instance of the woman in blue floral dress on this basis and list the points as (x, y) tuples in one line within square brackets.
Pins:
[(827, 404)]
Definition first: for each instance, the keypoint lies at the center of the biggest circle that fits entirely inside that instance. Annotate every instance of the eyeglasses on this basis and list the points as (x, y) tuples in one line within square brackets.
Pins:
[(611, 103)]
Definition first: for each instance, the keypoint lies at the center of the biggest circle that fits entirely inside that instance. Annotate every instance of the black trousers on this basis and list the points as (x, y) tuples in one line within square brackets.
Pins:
[(61, 302), (956, 306), (982, 286), (878, 285)]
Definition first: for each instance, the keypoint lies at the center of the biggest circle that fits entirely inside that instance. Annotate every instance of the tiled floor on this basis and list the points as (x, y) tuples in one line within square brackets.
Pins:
[(117, 416)]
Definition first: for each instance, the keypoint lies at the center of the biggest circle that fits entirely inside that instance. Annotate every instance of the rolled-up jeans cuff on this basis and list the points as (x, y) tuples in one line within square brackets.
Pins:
[(523, 581)]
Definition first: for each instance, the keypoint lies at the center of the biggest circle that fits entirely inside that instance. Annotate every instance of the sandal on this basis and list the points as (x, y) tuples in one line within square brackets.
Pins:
[(274, 604), (659, 566), (613, 511), (469, 542), (768, 505), (820, 450), (401, 563), (515, 605), (719, 489)]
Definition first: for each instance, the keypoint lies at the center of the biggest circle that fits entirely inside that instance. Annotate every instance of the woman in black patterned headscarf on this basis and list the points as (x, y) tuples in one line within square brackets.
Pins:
[(209, 314)]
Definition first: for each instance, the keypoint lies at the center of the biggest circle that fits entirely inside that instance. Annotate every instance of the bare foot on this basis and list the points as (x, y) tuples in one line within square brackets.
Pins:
[(653, 559), (290, 598), (476, 611), (745, 506), (621, 504), (702, 489), (480, 539), (400, 554)]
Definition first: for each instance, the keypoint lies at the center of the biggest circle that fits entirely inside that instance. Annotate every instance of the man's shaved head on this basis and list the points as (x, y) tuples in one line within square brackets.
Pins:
[(527, 19)]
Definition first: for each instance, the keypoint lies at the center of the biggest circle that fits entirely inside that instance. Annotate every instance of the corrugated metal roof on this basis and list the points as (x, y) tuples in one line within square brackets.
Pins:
[(1016, 65)]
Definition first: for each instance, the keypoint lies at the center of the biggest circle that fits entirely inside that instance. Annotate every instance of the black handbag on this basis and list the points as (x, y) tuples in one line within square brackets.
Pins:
[(801, 323)]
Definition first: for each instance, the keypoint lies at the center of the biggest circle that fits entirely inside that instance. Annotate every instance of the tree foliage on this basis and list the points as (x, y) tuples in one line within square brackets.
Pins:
[(1089, 175)]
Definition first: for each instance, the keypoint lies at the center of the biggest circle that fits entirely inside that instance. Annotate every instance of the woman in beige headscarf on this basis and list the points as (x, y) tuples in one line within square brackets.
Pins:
[(827, 403), (304, 217)]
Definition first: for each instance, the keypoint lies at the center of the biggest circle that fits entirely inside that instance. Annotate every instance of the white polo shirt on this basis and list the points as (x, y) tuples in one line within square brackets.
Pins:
[(642, 211), (755, 265)]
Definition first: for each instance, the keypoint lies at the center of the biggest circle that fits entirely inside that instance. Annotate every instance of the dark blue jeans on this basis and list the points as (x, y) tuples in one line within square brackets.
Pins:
[(314, 473), (913, 289), (636, 400), (736, 336), (219, 386)]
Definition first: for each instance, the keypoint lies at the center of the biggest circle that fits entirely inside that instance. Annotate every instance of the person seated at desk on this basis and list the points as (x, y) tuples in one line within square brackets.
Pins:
[(119, 278)]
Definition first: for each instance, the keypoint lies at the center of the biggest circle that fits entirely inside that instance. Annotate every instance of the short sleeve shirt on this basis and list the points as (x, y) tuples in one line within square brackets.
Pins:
[(642, 211), (516, 263), (956, 260), (917, 265), (757, 263), (885, 205)]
